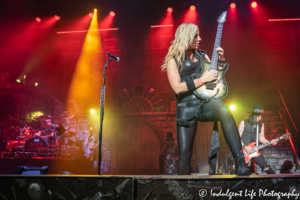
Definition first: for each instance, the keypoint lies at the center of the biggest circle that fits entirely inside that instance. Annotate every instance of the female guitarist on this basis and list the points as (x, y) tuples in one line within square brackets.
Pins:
[(183, 65), (247, 129)]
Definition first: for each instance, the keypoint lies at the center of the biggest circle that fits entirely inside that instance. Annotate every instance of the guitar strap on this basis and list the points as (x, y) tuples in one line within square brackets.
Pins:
[(257, 133)]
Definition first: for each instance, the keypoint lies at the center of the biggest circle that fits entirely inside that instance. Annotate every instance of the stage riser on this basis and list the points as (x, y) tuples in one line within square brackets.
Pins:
[(191, 189), (67, 188), (148, 188)]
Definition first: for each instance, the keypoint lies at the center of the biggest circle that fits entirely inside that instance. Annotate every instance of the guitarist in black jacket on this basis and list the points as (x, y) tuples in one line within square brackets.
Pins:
[(247, 130)]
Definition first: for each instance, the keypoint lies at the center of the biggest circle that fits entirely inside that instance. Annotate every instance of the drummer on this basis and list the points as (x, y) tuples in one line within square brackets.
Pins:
[(47, 129)]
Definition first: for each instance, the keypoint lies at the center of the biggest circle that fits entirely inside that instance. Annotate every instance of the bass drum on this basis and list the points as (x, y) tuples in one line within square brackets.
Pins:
[(36, 145)]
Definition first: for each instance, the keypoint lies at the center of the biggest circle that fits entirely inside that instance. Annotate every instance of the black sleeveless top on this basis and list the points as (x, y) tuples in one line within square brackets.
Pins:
[(189, 71), (249, 134)]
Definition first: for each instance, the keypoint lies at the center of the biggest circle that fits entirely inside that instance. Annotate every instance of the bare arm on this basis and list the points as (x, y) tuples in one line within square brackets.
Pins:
[(262, 138), (241, 130), (181, 87)]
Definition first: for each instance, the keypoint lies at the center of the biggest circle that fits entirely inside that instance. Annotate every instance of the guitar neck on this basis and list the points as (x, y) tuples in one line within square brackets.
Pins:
[(215, 56), (270, 142)]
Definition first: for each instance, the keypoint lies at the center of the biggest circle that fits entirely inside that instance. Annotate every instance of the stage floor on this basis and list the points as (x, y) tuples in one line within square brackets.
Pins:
[(144, 187)]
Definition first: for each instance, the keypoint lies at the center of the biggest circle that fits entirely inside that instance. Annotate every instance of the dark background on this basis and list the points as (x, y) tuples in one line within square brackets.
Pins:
[(260, 53)]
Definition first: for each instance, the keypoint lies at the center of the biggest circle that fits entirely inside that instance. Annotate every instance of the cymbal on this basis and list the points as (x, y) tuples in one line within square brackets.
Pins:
[(43, 117), (38, 118), (67, 115)]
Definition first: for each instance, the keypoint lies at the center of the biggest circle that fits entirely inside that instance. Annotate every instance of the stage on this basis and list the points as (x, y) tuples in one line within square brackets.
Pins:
[(164, 187), (148, 65)]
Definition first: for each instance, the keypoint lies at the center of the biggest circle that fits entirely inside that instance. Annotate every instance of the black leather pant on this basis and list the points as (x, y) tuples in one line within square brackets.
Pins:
[(260, 161), (213, 111)]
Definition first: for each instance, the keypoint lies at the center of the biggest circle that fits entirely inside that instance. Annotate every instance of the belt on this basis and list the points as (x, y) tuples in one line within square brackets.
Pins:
[(189, 103)]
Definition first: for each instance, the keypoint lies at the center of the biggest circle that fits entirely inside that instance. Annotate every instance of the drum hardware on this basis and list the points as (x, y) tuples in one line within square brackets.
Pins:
[(43, 117), (3, 144), (53, 140), (11, 120)]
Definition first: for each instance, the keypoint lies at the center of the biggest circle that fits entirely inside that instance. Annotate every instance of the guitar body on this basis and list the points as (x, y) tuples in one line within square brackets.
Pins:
[(248, 157), (218, 87)]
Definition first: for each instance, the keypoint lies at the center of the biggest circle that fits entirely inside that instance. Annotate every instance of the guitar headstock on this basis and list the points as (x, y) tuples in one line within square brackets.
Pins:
[(222, 17), (286, 136)]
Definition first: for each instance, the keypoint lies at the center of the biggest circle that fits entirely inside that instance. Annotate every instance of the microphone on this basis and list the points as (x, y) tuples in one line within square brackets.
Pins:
[(117, 59)]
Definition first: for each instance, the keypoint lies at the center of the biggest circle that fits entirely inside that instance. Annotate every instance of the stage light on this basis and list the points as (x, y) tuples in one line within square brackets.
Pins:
[(193, 8), (91, 15), (170, 9), (95, 10), (92, 111), (254, 4), (232, 107), (38, 19), (232, 5), (91, 128), (24, 76), (82, 80), (281, 20), (18, 80), (112, 14), (36, 84), (84, 31), (57, 17), (160, 26)]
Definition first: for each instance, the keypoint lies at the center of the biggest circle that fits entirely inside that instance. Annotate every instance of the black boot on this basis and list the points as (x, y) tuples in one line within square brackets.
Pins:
[(274, 181), (241, 167)]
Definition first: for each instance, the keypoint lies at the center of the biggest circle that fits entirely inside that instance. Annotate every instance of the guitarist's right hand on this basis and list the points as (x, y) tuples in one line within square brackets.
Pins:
[(210, 76), (249, 150)]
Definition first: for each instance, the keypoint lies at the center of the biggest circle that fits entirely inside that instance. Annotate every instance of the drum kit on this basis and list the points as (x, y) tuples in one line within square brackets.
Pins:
[(50, 140)]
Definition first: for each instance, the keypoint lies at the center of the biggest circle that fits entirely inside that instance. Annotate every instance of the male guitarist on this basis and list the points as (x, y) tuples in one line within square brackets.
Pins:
[(247, 130)]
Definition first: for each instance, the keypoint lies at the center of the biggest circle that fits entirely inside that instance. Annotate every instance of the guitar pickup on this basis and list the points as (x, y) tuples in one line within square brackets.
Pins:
[(210, 86)]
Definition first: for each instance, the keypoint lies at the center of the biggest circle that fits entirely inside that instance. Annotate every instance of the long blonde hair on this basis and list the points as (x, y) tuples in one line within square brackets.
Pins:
[(184, 36)]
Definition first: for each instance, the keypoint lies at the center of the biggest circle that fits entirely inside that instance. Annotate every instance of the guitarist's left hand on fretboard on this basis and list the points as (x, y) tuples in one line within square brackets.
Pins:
[(274, 142), (221, 53)]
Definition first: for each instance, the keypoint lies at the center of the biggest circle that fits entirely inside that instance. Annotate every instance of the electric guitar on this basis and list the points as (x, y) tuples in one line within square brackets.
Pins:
[(217, 89), (248, 157)]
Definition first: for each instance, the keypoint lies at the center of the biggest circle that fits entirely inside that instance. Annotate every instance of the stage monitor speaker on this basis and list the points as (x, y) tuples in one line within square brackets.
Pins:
[(30, 170), (65, 173)]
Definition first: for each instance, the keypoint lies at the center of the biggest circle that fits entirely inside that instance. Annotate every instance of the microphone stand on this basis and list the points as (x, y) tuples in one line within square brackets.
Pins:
[(102, 99)]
